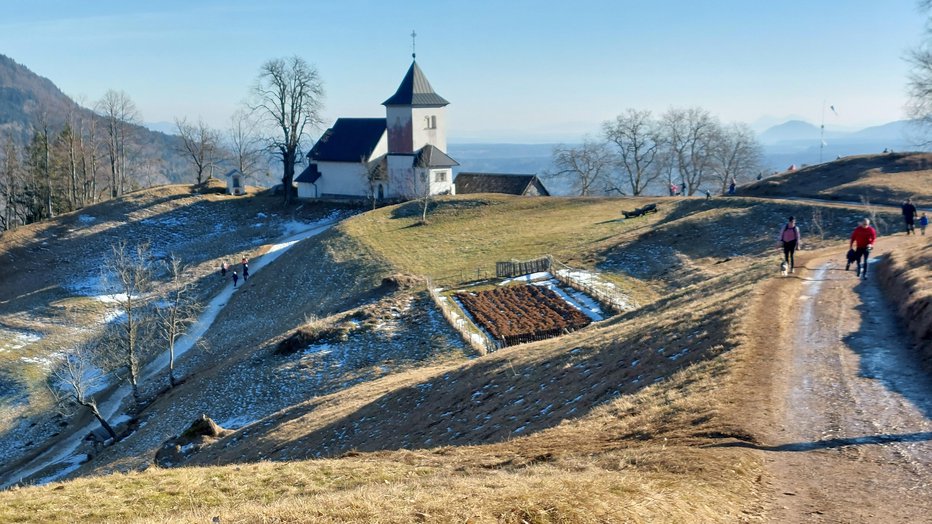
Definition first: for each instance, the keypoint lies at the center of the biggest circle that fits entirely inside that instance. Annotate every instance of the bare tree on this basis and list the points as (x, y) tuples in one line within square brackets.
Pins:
[(10, 173), (179, 309), (735, 154), (200, 144), (75, 377), (375, 173), (417, 188), (288, 96), (920, 79), (128, 278), (120, 116), (691, 134), (244, 144), (588, 166), (637, 140)]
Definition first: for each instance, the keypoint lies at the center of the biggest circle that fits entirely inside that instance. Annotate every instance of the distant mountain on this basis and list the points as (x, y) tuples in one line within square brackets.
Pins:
[(27, 98), (792, 130)]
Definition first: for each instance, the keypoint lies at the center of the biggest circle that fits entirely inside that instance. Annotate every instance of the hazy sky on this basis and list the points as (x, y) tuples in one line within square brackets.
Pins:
[(516, 71)]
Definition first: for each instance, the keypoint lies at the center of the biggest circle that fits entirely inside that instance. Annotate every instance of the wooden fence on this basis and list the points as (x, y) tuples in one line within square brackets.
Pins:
[(471, 334), (515, 268)]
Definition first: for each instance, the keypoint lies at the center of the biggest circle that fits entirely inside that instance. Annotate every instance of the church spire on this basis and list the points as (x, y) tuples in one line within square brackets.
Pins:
[(413, 45)]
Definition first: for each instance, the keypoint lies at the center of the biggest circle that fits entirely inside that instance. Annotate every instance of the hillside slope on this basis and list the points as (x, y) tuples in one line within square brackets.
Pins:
[(882, 179), (609, 423)]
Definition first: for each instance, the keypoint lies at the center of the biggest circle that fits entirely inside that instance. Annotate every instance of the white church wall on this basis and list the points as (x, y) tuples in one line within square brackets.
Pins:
[(429, 127), (342, 178)]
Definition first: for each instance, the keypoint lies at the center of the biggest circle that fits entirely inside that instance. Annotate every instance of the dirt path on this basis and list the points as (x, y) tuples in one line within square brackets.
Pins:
[(850, 436)]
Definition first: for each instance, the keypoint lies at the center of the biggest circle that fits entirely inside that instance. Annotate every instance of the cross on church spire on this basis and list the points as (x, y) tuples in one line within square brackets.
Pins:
[(413, 44)]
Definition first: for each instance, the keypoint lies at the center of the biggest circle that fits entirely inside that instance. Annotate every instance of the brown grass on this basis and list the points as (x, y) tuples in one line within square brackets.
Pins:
[(622, 441), (883, 179), (906, 275)]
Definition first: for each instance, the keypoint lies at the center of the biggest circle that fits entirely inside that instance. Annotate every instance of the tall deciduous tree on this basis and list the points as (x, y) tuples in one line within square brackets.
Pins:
[(920, 78), (178, 311), (637, 141), (75, 377), (120, 116), (691, 136), (736, 155), (200, 145), (245, 145), (128, 278), (587, 166), (288, 97)]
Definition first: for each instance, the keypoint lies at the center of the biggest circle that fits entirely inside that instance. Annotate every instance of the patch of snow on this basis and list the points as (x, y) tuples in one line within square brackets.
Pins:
[(17, 338), (578, 300), (543, 275), (86, 219)]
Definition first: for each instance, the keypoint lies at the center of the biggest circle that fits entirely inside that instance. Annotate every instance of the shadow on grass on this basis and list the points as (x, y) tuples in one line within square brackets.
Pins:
[(885, 438)]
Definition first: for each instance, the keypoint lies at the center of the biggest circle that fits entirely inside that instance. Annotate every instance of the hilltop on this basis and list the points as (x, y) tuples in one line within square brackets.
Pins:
[(882, 179), (383, 409)]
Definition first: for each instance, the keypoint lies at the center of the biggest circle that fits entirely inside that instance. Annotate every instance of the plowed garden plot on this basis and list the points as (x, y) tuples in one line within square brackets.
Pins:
[(519, 314)]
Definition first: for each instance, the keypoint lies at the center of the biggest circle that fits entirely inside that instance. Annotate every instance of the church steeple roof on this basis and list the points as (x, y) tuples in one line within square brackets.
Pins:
[(415, 90)]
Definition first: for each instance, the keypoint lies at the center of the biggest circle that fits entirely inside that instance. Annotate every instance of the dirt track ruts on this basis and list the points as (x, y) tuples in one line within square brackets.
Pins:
[(850, 436)]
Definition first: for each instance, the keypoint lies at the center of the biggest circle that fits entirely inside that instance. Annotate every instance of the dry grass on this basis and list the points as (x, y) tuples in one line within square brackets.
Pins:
[(621, 441), (883, 179), (906, 274)]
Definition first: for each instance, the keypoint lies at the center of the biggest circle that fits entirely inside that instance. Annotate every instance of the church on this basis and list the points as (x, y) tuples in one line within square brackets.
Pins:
[(401, 156)]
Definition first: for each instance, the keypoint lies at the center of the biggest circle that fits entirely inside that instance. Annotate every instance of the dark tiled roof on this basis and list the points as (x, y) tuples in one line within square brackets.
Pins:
[(467, 183), (232, 172), (310, 175), (430, 156), (349, 140), (415, 90)]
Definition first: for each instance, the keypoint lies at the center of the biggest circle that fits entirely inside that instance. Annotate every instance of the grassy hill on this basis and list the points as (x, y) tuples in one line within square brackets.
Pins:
[(882, 179), (393, 420)]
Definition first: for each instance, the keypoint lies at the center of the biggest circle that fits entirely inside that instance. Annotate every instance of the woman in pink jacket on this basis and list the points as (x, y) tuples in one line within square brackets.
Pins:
[(789, 237)]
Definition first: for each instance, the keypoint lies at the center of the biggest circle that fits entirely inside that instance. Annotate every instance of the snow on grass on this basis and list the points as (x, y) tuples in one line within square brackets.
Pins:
[(543, 275), (577, 299), (13, 339), (86, 219)]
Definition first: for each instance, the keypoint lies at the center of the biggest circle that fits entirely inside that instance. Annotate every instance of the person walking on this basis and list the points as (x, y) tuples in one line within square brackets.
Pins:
[(789, 237), (862, 241), (245, 272), (683, 188), (223, 270), (923, 223), (909, 216), (235, 278), (731, 187), (708, 195)]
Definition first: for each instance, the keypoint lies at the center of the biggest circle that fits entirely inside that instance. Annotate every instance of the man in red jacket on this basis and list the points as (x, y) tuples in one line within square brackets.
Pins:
[(862, 241)]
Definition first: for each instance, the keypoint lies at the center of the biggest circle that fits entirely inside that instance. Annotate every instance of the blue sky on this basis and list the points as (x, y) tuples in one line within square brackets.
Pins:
[(516, 71)]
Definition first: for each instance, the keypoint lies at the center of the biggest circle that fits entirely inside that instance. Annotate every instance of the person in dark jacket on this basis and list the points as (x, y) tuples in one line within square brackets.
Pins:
[(245, 272), (235, 278), (789, 237), (909, 216), (862, 241)]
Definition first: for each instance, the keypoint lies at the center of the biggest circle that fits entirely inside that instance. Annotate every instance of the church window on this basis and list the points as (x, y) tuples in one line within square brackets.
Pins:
[(430, 122), (440, 176)]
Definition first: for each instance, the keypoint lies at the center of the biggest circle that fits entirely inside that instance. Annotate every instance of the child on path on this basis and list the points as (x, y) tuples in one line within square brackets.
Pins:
[(791, 240), (235, 278), (923, 223), (862, 241)]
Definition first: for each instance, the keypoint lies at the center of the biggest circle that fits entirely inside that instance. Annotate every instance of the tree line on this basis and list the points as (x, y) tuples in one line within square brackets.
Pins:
[(637, 153), (95, 155)]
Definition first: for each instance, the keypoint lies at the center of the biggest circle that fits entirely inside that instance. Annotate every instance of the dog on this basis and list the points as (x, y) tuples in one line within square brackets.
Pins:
[(852, 258), (784, 268)]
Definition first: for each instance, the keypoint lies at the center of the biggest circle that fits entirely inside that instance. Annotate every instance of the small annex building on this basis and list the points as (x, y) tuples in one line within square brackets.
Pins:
[(398, 157), (508, 184), (236, 183)]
